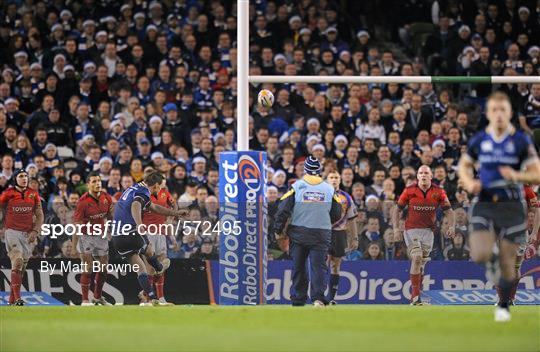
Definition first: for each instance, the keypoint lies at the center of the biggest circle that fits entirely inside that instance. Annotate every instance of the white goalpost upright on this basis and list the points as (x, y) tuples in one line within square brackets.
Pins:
[(242, 67)]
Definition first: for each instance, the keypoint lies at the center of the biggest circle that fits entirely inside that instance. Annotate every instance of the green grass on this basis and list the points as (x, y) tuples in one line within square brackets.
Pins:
[(268, 328)]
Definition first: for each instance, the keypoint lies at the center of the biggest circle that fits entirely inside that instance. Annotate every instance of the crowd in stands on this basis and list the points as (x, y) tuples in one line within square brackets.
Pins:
[(119, 86)]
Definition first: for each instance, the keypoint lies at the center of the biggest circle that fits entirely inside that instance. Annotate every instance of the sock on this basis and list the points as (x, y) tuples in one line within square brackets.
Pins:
[(145, 285), (499, 292), (85, 285), (16, 281), (11, 296), (159, 282), (514, 290), (333, 286), (493, 271), (415, 285), (151, 280), (506, 289), (153, 260), (101, 277)]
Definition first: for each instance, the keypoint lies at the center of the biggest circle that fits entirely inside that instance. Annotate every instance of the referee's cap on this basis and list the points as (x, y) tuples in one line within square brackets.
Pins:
[(312, 166)]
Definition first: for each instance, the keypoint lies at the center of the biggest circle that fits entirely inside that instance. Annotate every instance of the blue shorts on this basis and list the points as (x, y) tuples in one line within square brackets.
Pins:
[(128, 245), (508, 219)]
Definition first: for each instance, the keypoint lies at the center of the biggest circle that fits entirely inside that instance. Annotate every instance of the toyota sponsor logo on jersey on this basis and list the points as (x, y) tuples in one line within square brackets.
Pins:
[(21, 209), (97, 216), (427, 208)]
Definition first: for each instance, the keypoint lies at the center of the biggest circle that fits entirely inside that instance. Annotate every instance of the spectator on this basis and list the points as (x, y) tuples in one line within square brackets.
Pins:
[(206, 251), (457, 250), (85, 93), (352, 253), (373, 252), (372, 233)]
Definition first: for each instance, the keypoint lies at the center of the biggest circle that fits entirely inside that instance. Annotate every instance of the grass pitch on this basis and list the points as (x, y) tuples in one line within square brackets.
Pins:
[(267, 328)]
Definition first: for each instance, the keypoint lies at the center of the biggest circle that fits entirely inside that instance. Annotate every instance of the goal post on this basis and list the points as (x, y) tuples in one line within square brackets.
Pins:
[(242, 181)]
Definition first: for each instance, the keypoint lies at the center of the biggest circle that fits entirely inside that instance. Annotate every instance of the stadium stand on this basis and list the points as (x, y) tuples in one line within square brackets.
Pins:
[(119, 86)]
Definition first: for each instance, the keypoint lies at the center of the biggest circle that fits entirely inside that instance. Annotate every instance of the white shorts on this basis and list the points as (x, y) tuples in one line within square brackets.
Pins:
[(423, 237), (523, 246), (18, 240), (94, 245), (159, 243)]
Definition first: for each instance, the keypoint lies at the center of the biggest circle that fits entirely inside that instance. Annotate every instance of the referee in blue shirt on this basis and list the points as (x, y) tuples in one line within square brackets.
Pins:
[(312, 207)]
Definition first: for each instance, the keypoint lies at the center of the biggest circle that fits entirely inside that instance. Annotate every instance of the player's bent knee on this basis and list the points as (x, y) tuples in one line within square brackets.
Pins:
[(17, 263), (14, 253), (416, 258), (149, 250), (481, 256)]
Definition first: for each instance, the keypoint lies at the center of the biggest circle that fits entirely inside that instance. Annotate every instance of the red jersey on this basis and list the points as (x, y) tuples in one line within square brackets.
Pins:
[(164, 199), (117, 195), (93, 210), (422, 205), (19, 208), (530, 196), (532, 203)]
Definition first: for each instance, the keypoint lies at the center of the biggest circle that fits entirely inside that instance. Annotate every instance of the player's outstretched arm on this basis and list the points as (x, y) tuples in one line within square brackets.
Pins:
[(166, 211)]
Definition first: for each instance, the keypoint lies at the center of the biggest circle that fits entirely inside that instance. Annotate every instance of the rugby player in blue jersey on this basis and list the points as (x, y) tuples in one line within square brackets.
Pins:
[(505, 158), (128, 236)]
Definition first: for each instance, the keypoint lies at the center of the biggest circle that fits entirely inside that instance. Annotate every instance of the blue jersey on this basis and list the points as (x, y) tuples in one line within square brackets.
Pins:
[(122, 210), (513, 149)]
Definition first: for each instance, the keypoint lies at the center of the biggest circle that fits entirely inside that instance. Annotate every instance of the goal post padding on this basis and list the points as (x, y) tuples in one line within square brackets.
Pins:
[(243, 228)]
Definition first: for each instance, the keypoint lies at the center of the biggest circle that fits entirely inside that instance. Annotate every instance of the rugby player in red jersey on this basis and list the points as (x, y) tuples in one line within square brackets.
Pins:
[(20, 209), (526, 250), (534, 238), (159, 240), (95, 207), (421, 200), (342, 229)]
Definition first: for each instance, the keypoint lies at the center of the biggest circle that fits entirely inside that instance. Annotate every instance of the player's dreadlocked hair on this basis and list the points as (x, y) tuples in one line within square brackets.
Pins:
[(153, 178)]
